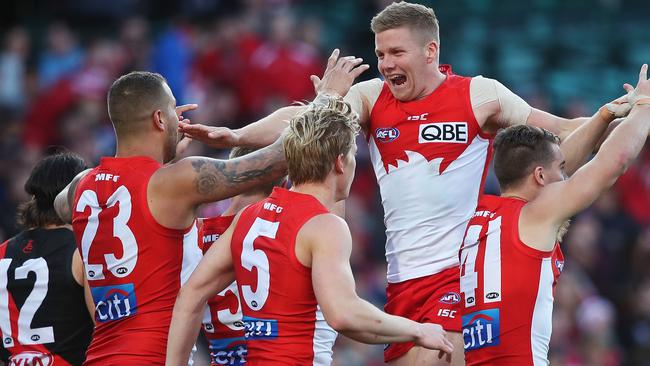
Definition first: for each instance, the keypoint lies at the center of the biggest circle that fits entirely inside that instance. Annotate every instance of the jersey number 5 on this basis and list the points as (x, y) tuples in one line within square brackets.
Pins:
[(118, 267), (256, 258)]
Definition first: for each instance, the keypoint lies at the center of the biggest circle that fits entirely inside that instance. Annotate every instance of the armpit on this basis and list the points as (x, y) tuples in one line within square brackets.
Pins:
[(512, 109)]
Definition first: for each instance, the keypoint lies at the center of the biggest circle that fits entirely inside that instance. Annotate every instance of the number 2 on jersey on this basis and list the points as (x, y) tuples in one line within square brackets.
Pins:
[(121, 267), (26, 334), (256, 258)]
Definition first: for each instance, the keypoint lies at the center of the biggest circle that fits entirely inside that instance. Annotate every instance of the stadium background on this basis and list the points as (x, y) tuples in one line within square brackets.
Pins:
[(242, 59)]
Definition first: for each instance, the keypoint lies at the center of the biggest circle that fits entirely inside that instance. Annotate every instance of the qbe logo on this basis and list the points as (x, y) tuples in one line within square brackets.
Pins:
[(447, 132), (31, 358), (481, 329), (114, 302), (386, 134)]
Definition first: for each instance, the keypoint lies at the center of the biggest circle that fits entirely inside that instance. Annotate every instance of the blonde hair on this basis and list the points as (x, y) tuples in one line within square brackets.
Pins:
[(416, 17), (316, 137)]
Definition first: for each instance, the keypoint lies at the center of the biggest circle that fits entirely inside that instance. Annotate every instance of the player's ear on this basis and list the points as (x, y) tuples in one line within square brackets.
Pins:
[(157, 120), (432, 52), (538, 175), (339, 164)]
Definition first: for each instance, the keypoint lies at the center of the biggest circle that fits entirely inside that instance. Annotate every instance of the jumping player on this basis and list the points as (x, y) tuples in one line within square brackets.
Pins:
[(511, 257), (289, 255), (43, 315)]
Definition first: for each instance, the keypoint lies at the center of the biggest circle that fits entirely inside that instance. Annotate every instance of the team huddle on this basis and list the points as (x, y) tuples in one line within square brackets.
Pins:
[(470, 276)]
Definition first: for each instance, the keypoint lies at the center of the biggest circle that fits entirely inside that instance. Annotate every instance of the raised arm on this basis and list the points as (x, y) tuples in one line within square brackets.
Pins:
[(213, 274), (176, 190), (337, 80), (559, 201), (327, 238)]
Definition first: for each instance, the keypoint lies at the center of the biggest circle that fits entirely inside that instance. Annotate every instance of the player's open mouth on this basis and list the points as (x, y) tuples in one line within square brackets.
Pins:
[(397, 80)]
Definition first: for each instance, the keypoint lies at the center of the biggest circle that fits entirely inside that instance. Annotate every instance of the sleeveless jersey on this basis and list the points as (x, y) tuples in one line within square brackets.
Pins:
[(430, 158), (506, 289), (284, 325), (222, 318), (43, 315), (134, 265)]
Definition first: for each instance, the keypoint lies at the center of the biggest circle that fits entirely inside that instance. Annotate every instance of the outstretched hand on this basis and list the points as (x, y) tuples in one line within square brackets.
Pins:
[(432, 336), (339, 74), (642, 89), (216, 137)]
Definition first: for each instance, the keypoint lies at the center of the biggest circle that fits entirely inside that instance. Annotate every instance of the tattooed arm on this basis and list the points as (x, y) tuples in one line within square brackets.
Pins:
[(176, 190)]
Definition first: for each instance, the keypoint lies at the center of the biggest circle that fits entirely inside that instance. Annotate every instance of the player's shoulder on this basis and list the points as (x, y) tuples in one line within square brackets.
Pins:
[(325, 226)]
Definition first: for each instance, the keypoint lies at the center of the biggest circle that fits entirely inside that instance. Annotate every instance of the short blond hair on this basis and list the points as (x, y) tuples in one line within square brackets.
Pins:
[(316, 137), (416, 17)]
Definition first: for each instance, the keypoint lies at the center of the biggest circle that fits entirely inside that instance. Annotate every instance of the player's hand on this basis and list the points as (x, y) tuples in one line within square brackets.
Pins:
[(339, 74), (216, 137), (185, 108), (432, 336), (619, 107), (642, 89)]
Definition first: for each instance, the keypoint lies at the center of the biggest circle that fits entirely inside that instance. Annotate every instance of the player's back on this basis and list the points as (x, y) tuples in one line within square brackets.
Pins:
[(430, 158), (283, 323), (43, 315), (506, 288), (222, 320), (133, 264)]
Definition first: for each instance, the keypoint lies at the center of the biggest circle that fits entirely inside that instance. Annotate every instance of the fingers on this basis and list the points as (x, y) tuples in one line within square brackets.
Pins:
[(643, 74), (360, 70), (628, 88), (186, 107), (331, 61), (315, 80)]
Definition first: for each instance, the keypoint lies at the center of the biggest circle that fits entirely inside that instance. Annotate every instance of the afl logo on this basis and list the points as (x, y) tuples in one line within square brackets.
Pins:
[(122, 270), (31, 358), (450, 298), (386, 134), (492, 295)]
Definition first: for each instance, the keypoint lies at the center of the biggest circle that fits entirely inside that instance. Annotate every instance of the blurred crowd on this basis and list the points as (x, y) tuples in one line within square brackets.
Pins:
[(240, 60)]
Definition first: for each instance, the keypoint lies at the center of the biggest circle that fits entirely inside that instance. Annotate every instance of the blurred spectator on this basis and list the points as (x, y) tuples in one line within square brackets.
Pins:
[(61, 57), (13, 63)]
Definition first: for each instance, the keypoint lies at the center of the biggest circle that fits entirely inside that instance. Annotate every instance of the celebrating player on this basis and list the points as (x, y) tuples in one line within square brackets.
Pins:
[(290, 257), (511, 256)]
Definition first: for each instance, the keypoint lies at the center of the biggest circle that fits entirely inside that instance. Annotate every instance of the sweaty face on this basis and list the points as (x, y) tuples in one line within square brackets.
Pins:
[(404, 63)]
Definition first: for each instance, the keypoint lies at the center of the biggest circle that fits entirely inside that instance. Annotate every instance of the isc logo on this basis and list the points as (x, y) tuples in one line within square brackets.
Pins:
[(481, 329), (31, 358), (448, 132), (386, 134), (114, 302)]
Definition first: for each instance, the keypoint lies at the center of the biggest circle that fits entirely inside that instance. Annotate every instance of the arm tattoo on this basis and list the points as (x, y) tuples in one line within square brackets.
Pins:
[(214, 176)]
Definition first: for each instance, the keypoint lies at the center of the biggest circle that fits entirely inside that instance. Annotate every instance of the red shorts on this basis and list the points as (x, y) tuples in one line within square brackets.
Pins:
[(430, 299)]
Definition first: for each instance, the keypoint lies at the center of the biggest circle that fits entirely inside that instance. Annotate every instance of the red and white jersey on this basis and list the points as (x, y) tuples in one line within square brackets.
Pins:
[(430, 158), (222, 318), (134, 265), (284, 325), (506, 289)]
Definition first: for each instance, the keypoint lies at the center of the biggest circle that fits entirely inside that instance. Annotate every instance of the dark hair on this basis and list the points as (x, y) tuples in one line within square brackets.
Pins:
[(134, 96), (263, 189), (518, 150), (49, 177)]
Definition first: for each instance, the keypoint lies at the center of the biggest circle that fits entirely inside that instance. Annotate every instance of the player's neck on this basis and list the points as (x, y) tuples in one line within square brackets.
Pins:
[(521, 194), (323, 192), (137, 147), (436, 79)]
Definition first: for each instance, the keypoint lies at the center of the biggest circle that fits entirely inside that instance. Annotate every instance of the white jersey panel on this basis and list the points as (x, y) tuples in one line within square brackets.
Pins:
[(191, 253), (324, 338), (540, 333), (426, 212)]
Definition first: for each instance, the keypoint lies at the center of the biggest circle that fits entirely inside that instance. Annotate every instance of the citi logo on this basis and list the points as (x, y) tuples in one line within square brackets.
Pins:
[(386, 134), (450, 298)]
